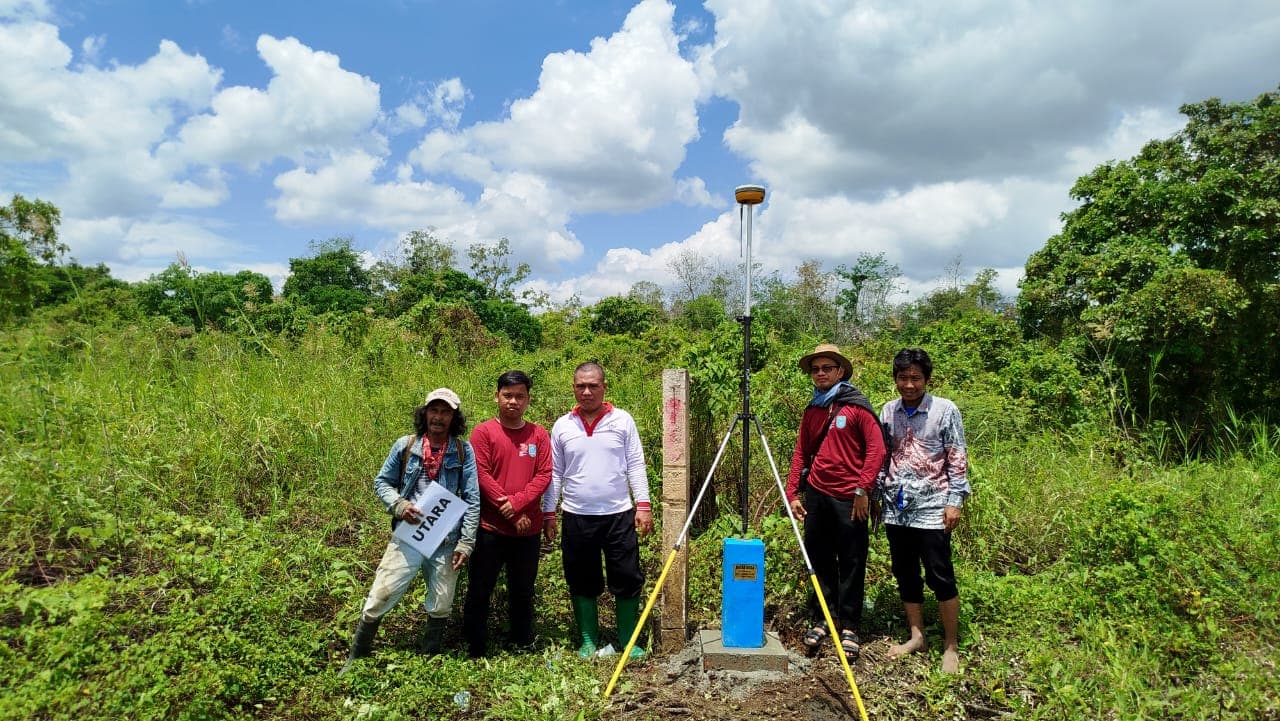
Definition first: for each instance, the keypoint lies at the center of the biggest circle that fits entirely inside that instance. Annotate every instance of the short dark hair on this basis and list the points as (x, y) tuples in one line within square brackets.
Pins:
[(515, 378), (908, 357), (590, 365), (457, 426)]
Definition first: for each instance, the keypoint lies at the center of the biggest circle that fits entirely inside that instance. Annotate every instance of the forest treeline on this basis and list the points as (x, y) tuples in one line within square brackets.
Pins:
[(1157, 304)]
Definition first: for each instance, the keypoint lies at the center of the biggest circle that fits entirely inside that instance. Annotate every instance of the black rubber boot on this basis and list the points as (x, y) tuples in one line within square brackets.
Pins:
[(433, 635), (361, 643)]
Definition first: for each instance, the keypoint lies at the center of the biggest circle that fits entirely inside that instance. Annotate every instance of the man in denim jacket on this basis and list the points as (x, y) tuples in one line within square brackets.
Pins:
[(436, 454)]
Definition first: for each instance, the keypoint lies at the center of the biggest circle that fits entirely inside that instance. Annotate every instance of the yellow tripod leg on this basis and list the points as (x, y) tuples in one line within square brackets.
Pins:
[(835, 638), (635, 635)]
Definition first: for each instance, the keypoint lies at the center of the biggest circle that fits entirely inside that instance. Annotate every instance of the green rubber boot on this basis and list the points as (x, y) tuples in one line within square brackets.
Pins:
[(628, 615), (587, 613)]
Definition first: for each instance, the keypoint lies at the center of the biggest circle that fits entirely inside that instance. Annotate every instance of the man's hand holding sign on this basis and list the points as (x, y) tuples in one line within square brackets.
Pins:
[(434, 514)]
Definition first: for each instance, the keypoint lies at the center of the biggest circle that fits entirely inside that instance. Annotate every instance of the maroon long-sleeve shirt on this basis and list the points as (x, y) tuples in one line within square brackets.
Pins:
[(515, 464), (850, 457)]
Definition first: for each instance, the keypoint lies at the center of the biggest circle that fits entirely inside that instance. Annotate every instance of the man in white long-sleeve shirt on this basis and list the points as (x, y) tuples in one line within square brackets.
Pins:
[(597, 470)]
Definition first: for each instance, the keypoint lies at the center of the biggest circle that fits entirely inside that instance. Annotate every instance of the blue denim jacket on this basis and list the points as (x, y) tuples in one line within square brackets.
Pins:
[(458, 476)]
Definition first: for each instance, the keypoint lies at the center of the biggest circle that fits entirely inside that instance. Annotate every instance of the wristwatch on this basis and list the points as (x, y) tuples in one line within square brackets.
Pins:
[(859, 492)]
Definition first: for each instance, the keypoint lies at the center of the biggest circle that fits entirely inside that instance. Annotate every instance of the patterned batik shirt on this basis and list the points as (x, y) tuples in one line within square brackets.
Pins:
[(929, 465)]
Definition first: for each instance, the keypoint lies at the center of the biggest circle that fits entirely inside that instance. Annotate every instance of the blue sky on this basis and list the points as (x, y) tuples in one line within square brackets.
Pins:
[(603, 139)]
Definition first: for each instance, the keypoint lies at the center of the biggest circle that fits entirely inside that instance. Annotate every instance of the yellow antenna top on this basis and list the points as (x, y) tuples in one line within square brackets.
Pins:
[(749, 194)]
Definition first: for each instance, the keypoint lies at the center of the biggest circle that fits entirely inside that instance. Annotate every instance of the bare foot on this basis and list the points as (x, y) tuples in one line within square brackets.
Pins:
[(913, 644), (950, 661)]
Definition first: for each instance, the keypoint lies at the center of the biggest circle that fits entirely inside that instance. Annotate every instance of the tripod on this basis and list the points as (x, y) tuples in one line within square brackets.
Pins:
[(747, 197)]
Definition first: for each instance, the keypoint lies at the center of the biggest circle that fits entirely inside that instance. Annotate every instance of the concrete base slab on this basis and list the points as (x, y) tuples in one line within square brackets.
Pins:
[(717, 657)]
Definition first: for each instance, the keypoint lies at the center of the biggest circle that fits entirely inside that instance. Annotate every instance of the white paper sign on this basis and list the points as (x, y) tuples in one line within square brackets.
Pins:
[(441, 512)]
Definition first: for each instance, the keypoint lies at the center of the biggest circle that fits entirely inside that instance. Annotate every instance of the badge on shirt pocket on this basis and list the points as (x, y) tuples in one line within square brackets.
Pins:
[(841, 422), (533, 450)]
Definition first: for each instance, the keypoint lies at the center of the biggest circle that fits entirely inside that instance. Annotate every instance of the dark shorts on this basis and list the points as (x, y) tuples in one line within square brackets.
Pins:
[(910, 549)]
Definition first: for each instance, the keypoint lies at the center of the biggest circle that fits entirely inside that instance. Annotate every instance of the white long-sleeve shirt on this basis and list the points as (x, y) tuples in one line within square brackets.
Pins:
[(596, 471)]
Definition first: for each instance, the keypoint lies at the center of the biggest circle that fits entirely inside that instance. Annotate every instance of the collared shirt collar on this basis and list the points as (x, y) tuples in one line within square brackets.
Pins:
[(925, 403), (590, 428)]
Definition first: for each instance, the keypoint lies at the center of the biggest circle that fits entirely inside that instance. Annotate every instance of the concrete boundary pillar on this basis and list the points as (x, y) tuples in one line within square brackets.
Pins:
[(675, 507)]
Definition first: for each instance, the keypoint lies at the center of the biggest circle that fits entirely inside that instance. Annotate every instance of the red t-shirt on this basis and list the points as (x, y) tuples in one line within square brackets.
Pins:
[(515, 464), (850, 456)]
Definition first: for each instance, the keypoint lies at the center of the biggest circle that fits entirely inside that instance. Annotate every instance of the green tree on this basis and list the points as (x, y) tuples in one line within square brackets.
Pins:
[(425, 253), (648, 292), (954, 301), (333, 279), (28, 239), (62, 283), (202, 300), (1168, 272), (491, 265), (35, 224), (404, 280), (804, 308), (864, 302), (18, 287), (702, 313), (619, 315), (171, 293), (512, 320), (427, 292), (223, 295)]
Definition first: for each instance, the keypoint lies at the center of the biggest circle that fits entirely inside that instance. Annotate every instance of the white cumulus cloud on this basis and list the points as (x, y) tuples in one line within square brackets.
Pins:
[(311, 105)]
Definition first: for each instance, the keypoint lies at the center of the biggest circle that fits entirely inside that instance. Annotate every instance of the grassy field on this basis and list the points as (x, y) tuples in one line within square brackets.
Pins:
[(189, 530)]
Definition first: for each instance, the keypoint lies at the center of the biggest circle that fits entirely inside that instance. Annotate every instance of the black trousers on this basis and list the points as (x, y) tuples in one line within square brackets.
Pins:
[(519, 556), (837, 548), (913, 548), (585, 539)]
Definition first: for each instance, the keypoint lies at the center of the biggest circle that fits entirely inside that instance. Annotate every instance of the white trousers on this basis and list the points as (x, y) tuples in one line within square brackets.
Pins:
[(399, 564)]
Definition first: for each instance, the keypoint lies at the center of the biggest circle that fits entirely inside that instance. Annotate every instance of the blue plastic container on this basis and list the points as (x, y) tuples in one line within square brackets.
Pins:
[(742, 612)]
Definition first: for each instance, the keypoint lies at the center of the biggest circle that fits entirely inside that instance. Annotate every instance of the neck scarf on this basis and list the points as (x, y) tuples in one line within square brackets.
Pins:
[(431, 461), (822, 399)]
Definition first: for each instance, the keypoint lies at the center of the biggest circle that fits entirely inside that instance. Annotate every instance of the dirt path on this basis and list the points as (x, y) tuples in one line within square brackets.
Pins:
[(813, 689)]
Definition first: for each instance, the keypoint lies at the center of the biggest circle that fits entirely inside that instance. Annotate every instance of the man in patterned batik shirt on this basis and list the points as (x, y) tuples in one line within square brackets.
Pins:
[(923, 493)]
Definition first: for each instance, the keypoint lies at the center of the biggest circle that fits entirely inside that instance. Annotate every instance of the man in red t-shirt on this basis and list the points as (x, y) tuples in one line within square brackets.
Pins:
[(513, 462), (839, 453)]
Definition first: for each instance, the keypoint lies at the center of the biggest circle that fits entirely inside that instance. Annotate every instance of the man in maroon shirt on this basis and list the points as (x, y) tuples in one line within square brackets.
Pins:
[(513, 462), (839, 452)]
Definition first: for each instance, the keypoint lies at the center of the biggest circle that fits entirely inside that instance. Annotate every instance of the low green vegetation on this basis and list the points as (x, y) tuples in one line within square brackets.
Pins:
[(189, 532)]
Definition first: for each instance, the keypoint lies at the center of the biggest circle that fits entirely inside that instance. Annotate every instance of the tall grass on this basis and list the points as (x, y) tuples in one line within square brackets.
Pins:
[(189, 529)]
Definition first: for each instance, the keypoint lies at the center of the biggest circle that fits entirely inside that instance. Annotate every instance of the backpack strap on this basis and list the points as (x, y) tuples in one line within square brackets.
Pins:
[(817, 446), (404, 459), (822, 435)]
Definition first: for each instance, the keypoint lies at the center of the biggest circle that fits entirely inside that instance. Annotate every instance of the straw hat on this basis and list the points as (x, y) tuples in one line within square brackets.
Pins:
[(828, 350)]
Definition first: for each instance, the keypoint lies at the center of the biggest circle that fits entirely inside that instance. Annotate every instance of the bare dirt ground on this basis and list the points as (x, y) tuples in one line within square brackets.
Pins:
[(676, 687)]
